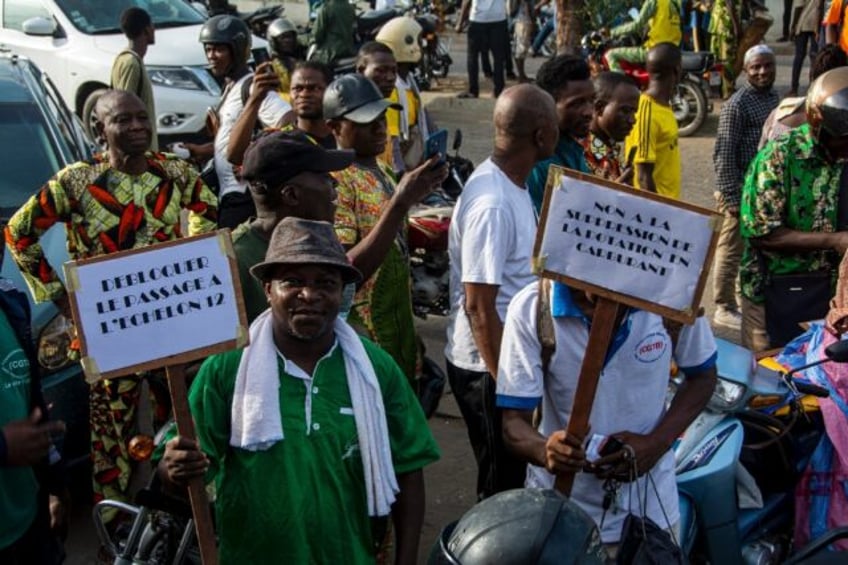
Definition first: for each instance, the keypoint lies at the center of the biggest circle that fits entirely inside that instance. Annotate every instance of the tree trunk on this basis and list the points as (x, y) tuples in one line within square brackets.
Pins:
[(569, 28)]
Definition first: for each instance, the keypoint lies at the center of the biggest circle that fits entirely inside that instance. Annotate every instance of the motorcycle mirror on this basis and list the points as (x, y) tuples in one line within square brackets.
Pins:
[(837, 352), (633, 13), (457, 140)]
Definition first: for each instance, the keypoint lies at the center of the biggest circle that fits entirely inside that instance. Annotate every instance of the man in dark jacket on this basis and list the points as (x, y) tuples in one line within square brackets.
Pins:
[(29, 464)]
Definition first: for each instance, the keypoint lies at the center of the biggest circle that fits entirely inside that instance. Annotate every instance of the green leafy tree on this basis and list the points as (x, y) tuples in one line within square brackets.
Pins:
[(577, 17)]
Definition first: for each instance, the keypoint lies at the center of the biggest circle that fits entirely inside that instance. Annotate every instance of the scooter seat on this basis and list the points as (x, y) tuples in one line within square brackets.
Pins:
[(344, 66), (428, 23), (374, 18), (698, 61)]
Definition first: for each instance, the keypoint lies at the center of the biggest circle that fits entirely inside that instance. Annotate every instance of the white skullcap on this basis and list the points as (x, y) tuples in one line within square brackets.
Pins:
[(759, 49)]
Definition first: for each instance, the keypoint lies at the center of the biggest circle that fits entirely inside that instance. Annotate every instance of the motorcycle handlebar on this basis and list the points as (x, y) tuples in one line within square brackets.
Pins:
[(812, 390)]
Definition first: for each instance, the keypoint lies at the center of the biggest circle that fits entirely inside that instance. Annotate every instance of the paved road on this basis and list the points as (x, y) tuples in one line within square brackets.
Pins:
[(450, 482)]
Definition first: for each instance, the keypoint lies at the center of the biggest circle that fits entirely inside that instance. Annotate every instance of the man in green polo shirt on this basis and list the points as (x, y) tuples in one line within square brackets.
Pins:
[(312, 434)]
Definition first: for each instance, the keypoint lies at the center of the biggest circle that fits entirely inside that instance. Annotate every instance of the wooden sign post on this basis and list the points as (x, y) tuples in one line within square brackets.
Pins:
[(626, 247), (161, 306)]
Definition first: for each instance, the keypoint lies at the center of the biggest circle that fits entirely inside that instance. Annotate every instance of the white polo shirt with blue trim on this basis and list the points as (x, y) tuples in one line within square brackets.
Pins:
[(631, 392)]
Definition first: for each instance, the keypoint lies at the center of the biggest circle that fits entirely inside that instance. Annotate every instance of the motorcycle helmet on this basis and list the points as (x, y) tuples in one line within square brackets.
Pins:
[(276, 30), (827, 103), (231, 31), (401, 35), (521, 526)]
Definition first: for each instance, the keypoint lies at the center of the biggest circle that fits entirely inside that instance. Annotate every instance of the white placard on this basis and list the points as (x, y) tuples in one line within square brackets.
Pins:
[(164, 304), (643, 249)]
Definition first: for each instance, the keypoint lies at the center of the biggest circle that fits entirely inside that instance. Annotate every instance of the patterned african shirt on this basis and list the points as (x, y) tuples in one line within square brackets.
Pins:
[(383, 303), (603, 160), (790, 184), (104, 211)]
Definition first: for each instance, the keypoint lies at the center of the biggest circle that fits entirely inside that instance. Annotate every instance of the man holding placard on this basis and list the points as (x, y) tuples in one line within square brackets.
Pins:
[(127, 198), (629, 424), (490, 247), (311, 433)]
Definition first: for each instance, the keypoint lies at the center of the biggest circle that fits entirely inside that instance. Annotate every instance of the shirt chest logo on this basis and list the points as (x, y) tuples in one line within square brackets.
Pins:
[(650, 348), (15, 365)]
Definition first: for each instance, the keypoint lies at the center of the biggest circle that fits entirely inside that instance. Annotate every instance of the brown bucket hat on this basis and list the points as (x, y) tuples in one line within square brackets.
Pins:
[(296, 241)]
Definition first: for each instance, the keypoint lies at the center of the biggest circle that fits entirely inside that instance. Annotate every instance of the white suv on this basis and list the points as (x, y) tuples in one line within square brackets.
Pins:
[(75, 42)]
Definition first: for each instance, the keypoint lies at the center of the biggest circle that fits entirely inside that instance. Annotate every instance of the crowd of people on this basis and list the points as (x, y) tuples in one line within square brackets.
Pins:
[(313, 434)]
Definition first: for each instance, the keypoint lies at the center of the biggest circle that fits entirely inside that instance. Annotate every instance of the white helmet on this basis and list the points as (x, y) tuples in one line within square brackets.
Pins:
[(401, 35)]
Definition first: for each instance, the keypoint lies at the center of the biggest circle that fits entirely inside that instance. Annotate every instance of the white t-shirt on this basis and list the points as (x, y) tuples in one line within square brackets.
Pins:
[(271, 113), (490, 242), (631, 394), (487, 11)]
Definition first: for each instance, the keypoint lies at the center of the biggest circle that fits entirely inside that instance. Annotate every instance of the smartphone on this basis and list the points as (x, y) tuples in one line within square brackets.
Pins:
[(610, 446), (260, 56), (437, 144)]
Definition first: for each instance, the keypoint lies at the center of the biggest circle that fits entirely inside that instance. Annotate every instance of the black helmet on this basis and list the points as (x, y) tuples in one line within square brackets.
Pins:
[(827, 103), (518, 527), (356, 98), (231, 31)]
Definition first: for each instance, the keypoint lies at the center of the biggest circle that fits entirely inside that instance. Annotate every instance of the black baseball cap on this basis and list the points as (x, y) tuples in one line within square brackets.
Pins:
[(280, 155), (356, 98)]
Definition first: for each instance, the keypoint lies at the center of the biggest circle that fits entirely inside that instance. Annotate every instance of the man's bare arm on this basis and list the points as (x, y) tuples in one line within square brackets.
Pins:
[(408, 517), (486, 324)]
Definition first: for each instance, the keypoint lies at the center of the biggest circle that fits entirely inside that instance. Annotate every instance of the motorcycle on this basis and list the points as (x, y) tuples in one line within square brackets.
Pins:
[(691, 100), (428, 227), (735, 441), (435, 51)]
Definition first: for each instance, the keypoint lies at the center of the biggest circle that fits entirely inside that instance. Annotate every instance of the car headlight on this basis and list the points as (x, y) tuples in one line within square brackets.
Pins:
[(54, 342), (726, 396), (186, 78)]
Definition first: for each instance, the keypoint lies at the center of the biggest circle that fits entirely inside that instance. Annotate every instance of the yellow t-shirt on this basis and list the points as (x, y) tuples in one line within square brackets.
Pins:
[(665, 25), (833, 17), (654, 135), (393, 129)]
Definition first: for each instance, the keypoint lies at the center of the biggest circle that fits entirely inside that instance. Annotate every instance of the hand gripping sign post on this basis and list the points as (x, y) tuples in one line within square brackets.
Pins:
[(161, 306), (625, 246)]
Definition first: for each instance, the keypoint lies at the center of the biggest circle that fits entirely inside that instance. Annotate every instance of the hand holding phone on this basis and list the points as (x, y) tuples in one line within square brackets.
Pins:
[(437, 144)]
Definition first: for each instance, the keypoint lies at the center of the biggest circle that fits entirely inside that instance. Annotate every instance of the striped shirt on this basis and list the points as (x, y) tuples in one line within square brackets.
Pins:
[(740, 125)]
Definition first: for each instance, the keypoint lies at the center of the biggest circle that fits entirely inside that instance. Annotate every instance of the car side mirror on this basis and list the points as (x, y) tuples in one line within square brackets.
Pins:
[(39, 26), (837, 351), (200, 7)]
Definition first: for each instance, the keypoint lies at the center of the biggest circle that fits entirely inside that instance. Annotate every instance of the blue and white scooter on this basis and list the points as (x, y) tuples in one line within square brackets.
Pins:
[(712, 524)]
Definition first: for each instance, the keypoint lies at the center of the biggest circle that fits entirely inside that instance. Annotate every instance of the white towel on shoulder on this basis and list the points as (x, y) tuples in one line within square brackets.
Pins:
[(256, 419)]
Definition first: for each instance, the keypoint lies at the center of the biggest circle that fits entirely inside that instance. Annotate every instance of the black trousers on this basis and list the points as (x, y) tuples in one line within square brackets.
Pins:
[(234, 209), (497, 469), (787, 17), (482, 38)]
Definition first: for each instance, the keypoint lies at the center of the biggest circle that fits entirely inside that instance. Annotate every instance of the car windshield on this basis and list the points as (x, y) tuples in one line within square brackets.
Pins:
[(28, 156), (103, 16)]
